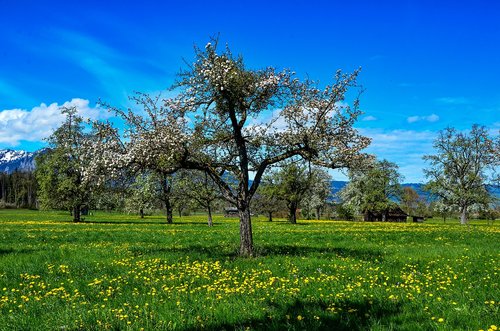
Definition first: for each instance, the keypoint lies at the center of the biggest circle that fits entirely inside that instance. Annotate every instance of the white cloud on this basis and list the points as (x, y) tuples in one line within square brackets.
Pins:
[(430, 118), (116, 72), (39, 122), (404, 147), (413, 119), (369, 118)]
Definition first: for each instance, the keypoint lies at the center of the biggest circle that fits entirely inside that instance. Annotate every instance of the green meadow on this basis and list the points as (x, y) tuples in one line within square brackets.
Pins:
[(118, 272)]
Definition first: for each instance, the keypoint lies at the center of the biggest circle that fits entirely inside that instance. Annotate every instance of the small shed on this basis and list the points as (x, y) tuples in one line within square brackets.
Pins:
[(418, 219), (394, 214), (231, 212)]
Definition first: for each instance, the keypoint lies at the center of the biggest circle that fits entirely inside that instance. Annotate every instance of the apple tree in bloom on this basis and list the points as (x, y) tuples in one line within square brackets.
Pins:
[(299, 186), (267, 200), (462, 166), (61, 170), (144, 194), (319, 192), (233, 122)]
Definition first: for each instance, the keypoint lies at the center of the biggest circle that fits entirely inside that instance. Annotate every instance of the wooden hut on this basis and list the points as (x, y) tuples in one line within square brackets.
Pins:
[(393, 214), (418, 219)]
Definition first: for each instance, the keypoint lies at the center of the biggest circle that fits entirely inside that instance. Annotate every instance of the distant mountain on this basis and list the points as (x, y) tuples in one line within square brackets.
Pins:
[(418, 187), (337, 186), (11, 160), (495, 190)]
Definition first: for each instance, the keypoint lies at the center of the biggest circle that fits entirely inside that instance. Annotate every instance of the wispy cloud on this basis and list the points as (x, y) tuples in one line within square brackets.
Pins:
[(404, 147), (369, 118), (39, 122), (117, 72), (453, 100), (430, 118)]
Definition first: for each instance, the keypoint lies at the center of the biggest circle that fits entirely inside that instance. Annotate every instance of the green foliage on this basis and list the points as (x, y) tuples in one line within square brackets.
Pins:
[(297, 186), (267, 200), (290, 183), (116, 272), (197, 188), (60, 170), (345, 212)]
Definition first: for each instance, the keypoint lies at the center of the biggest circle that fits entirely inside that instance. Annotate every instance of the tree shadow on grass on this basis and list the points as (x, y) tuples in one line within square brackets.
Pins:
[(203, 251), (139, 222), (216, 252), (295, 250), (7, 251), (300, 315), (287, 223)]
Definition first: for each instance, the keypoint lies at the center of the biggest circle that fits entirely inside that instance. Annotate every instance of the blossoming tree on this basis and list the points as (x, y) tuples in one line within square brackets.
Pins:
[(60, 170), (233, 122), (462, 166)]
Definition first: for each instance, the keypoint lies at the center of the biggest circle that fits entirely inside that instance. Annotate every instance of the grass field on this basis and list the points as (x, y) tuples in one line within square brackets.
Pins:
[(121, 273)]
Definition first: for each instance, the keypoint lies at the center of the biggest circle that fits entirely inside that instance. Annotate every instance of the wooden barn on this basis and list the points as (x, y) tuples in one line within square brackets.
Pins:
[(394, 214)]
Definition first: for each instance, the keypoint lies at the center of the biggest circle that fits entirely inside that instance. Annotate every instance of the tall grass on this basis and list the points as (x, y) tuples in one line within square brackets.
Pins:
[(122, 273)]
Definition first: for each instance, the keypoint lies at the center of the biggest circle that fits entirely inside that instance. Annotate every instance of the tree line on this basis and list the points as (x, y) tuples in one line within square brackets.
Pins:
[(18, 190)]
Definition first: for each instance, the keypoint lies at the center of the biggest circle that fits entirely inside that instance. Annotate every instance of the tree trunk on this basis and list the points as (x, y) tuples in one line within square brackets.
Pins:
[(166, 189), (270, 218), (170, 211), (76, 213), (463, 215), (141, 212), (318, 213), (246, 240), (292, 213), (209, 209)]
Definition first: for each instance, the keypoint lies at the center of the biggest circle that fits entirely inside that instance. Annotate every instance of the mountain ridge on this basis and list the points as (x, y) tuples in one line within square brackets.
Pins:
[(12, 160)]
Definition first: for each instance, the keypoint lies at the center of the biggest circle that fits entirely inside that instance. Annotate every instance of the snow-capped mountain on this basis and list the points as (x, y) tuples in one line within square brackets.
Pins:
[(11, 160)]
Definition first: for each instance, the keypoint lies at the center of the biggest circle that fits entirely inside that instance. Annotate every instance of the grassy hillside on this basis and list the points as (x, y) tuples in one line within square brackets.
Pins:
[(121, 273)]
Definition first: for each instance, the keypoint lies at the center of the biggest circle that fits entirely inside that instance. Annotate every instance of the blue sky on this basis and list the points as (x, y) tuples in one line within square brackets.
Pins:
[(425, 65)]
